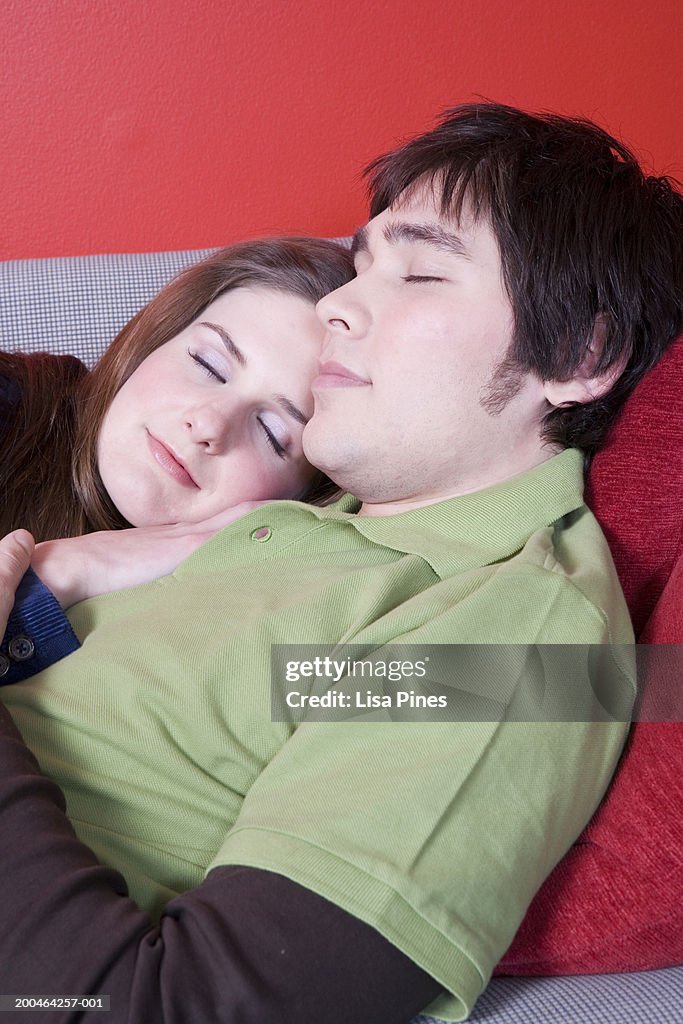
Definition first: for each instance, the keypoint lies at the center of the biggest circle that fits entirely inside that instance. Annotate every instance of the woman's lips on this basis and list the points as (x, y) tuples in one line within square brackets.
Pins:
[(334, 375), (171, 463)]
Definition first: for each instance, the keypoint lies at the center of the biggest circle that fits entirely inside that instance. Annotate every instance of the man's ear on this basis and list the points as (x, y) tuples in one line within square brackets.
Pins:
[(585, 385)]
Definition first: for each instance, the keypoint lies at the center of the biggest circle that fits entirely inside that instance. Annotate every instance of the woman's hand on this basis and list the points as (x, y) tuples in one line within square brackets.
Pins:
[(80, 567), (15, 556)]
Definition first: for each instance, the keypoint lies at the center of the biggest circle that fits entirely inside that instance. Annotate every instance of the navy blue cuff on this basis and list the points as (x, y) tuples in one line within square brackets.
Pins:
[(38, 632)]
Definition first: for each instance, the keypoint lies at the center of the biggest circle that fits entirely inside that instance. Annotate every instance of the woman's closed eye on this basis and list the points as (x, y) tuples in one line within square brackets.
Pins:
[(275, 433), (421, 278), (209, 369), (272, 440)]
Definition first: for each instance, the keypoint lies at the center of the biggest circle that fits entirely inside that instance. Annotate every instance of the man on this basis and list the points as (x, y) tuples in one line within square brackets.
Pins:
[(516, 279)]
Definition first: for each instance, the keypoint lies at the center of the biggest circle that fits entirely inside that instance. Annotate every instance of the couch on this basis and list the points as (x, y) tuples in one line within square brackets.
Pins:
[(603, 941)]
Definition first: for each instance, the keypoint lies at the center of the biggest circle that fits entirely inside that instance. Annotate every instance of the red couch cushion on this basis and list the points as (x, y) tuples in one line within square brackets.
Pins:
[(615, 902), (635, 485)]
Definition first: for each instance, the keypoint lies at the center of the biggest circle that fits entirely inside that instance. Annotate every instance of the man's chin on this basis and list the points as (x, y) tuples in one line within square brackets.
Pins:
[(325, 455), (333, 446), (317, 442)]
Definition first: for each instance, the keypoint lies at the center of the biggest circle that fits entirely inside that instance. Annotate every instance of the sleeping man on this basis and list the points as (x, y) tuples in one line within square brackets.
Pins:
[(518, 275)]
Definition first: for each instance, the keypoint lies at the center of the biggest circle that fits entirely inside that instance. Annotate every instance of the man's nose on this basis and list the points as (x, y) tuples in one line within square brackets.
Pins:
[(210, 425), (345, 311)]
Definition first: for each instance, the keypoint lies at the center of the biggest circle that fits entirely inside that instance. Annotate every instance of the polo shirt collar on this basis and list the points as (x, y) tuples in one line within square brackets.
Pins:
[(482, 527)]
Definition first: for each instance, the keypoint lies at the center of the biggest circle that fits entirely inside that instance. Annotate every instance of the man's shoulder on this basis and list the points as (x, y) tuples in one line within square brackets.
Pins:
[(558, 585), (564, 578)]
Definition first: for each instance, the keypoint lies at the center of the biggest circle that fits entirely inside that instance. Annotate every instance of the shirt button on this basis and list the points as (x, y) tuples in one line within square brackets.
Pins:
[(262, 533), (21, 648), (4, 665)]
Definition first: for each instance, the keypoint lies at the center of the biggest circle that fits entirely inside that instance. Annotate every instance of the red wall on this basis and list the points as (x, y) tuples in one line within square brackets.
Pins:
[(141, 124)]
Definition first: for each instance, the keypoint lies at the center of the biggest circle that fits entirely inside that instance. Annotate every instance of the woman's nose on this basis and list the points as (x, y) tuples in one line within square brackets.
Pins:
[(209, 425)]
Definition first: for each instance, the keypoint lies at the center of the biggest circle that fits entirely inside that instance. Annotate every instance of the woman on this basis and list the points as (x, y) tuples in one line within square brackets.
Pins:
[(194, 415), (197, 406)]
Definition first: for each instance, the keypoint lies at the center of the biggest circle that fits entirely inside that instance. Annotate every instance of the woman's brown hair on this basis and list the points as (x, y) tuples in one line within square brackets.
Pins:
[(49, 482)]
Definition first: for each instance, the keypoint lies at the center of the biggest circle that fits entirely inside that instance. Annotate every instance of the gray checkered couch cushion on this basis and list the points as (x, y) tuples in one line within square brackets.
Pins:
[(77, 305), (651, 997)]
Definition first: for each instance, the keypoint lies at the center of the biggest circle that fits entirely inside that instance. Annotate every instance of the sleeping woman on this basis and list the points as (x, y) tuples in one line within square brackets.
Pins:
[(193, 417), (194, 413), (197, 406)]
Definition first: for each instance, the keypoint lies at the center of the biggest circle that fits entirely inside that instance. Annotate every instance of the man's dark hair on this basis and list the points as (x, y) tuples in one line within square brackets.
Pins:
[(586, 239)]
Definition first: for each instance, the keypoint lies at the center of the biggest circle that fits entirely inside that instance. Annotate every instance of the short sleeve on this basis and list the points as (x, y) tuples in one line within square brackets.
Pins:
[(437, 834)]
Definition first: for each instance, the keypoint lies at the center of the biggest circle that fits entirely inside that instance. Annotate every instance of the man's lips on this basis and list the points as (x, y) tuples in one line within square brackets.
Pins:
[(169, 461), (334, 375)]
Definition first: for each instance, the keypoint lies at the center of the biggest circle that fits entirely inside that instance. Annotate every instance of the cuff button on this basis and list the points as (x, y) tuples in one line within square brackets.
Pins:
[(21, 648)]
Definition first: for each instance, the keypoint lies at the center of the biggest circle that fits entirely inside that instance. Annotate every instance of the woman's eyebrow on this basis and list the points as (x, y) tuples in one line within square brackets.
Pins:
[(232, 348), (293, 410)]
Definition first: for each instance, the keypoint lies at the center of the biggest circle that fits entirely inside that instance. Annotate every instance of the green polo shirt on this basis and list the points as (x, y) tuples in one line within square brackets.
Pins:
[(160, 732)]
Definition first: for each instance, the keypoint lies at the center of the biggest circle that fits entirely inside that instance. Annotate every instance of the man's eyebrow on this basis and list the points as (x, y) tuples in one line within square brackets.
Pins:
[(293, 410), (232, 348), (428, 234)]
